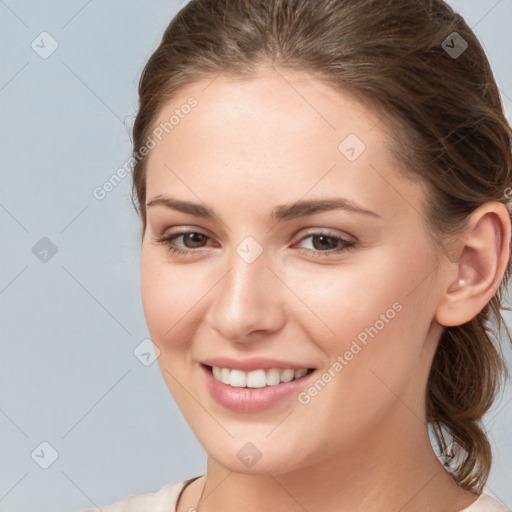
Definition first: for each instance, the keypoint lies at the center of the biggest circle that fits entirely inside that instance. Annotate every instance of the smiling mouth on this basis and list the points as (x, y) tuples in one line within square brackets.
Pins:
[(259, 378)]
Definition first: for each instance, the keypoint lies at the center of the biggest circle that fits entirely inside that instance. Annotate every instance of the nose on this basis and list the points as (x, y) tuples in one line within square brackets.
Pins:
[(247, 301)]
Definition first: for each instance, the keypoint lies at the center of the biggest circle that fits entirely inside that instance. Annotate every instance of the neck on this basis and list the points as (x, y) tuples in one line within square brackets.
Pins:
[(361, 478)]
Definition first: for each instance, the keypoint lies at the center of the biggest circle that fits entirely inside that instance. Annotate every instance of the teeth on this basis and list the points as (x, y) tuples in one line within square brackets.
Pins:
[(273, 377), (300, 373), (238, 379), (217, 373), (224, 375), (256, 378), (287, 375)]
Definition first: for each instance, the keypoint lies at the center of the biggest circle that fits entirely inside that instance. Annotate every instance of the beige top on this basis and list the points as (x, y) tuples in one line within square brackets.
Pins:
[(165, 499)]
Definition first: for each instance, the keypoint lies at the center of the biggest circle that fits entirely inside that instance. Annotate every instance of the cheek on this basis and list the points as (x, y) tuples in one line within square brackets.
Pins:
[(339, 303), (174, 298), (371, 313), (164, 296), (165, 309), (153, 298)]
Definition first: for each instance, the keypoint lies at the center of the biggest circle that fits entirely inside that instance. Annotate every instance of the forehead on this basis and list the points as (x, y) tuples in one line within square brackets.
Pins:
[(271, 102), (281, 132)]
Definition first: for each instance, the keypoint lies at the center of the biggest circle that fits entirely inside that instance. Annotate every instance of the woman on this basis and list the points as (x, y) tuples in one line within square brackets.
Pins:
[(326, 231)]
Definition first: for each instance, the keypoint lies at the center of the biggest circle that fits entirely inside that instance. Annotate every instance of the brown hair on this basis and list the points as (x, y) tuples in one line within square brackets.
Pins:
[(443, 111)]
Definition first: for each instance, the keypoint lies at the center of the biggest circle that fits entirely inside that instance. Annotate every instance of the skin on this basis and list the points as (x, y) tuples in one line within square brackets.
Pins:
[(362, 442)]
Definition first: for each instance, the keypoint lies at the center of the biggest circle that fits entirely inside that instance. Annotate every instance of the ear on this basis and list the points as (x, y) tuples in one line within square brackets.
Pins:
[(480, 267)]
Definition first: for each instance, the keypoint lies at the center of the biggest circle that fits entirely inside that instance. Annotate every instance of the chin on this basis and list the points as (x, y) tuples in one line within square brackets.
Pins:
[(256, 458)]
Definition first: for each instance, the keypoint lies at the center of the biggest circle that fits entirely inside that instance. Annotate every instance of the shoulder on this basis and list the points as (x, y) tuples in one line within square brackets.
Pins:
[(486, 503), (162, 500)]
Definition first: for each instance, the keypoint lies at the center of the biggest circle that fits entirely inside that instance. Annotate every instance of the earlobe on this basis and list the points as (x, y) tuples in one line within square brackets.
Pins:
[(480, 267)]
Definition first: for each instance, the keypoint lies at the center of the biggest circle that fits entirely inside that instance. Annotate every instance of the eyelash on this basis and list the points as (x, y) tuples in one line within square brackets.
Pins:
[(167, 240)]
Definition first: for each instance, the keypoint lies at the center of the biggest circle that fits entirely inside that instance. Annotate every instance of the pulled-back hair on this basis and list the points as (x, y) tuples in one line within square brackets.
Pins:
[(442, 108)]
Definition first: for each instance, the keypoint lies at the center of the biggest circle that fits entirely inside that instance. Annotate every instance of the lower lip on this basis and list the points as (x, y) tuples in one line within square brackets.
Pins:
[(251, 399)]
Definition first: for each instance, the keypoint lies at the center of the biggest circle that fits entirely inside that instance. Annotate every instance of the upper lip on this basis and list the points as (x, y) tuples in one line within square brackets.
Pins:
[(253, 363)]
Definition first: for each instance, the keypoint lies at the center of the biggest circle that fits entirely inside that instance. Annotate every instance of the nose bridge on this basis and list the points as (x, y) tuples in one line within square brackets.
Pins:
[(246, 300)]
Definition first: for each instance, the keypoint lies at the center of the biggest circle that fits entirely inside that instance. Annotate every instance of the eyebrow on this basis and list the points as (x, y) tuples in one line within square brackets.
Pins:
[(290, 211)]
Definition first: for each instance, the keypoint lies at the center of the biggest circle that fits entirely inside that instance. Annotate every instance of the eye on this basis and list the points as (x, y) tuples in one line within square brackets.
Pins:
[(323, 244), (194, 238)]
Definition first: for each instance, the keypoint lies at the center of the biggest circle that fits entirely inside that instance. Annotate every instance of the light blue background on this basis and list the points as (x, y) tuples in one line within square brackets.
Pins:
[(68, 375)]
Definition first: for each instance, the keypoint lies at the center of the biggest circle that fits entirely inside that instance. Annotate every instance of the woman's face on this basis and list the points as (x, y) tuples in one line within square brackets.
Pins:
[(275, 277)]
